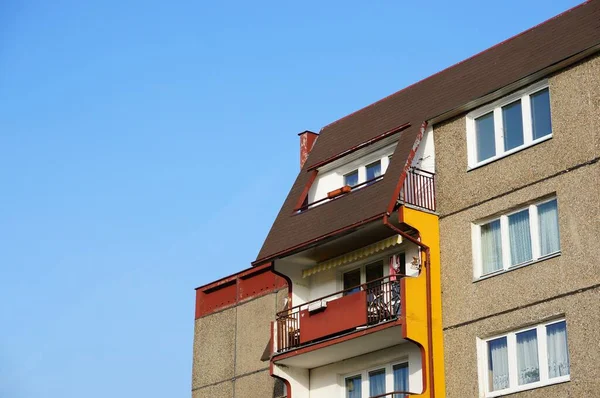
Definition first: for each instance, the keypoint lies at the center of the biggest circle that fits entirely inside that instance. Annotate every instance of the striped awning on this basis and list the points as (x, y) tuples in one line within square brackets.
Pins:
[(355, 255)]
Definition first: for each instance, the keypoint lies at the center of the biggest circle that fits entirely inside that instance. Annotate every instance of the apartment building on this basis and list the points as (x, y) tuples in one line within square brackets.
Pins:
[(441, 242)]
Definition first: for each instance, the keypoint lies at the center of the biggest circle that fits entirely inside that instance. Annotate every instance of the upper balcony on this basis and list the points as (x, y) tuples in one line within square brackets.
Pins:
[(418, 190)]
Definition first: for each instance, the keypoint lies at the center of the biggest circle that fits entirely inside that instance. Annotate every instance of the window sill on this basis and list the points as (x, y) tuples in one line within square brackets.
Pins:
[(532, 386), (514, 267), (508, 153)]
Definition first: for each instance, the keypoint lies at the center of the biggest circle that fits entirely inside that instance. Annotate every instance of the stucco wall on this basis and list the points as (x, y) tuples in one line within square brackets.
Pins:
[(566, 166), (229, 351)]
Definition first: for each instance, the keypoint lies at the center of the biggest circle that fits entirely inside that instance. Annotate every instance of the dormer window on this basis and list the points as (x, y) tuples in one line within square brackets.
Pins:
[(356, 171)]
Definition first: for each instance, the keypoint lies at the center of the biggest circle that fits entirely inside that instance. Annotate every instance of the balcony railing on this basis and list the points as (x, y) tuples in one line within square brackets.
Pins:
[(419, 189), (394, 394), (361, 306)]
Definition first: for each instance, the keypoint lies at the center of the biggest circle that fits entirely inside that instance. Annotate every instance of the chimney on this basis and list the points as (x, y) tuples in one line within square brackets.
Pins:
[(307, 140)]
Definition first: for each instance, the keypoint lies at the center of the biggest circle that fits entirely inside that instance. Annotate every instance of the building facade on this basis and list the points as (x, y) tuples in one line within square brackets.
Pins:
[(441, 242)]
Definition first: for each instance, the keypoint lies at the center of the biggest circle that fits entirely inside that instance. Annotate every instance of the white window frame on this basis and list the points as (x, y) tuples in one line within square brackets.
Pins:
[(364, 374), (496, 107), (505, 239), (511, 343)]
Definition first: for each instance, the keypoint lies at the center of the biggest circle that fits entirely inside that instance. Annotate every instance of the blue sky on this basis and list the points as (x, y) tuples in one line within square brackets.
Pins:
[(146, 147)]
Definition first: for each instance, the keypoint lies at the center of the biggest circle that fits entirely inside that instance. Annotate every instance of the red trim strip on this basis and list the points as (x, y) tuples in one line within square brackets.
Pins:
[(304, 193), (409, 160)]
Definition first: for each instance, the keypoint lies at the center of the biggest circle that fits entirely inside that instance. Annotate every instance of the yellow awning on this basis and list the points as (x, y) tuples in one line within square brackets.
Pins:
[(353, 255)]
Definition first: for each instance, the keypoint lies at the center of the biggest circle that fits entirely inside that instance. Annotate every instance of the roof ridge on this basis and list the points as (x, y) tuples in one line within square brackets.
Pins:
[(457, 63)]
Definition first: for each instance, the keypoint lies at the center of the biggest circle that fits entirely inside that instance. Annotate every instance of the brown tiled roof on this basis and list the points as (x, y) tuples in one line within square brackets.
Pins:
[(538, 48)]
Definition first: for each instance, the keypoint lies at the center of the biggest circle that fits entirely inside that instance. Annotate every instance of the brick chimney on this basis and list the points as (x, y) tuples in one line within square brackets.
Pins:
[(307, 140)]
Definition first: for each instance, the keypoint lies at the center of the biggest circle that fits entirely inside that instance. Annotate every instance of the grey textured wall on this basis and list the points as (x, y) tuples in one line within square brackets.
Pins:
[(229, 348), (566, 166)]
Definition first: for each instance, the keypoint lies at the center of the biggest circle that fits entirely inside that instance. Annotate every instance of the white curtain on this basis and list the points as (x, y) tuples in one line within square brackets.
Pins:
[(377, 383), (558, 354), (353, 387), (401, 379), (548, 223), (527, 357), (498, 364), (520, 237), (491, 247)]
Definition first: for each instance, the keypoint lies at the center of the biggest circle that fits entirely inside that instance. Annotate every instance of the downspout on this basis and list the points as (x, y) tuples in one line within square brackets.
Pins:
[(423, 247)]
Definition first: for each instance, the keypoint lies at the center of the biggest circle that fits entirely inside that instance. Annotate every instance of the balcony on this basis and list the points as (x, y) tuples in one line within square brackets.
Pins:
[(339, 313), (418, 190)]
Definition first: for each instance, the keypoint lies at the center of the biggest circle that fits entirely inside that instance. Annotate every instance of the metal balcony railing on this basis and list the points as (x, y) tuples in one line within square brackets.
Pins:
[(394, 394), (419, 189), (379, 299)]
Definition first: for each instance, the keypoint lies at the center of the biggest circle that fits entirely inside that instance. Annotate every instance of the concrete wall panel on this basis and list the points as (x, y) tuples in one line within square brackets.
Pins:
[(253, 333), (214, 342), (583, 317), (221, 390), (577, 267), (258, 385)]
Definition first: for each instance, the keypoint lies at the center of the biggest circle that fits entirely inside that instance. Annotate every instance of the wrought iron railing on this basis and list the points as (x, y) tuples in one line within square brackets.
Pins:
[(382, 304), (394, 394), (419, 189)]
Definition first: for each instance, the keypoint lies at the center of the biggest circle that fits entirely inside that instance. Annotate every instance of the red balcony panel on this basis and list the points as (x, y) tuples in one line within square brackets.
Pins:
[(345, 313)]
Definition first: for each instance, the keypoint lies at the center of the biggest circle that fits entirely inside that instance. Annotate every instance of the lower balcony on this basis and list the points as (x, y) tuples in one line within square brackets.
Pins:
[(333, 323)]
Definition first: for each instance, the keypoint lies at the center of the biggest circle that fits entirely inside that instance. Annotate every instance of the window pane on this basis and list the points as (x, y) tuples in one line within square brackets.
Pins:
[(351, 179), (353, 387), (520, 237), (374, 170), (497, 364), (374, 271), (540, 114), (377, 382), (491, 247), (548, 223), (352, 281), (527, 357), (400, 379), (512, 119), (558, 352), (484, 130)]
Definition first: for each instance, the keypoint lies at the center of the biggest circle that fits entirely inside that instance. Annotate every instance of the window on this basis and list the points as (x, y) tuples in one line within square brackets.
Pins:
[(351, 179), (365, 274), (516, 238), (509, 125), (525, 359), (373, 170), (378, 381), (351, 281), (354, 387)]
